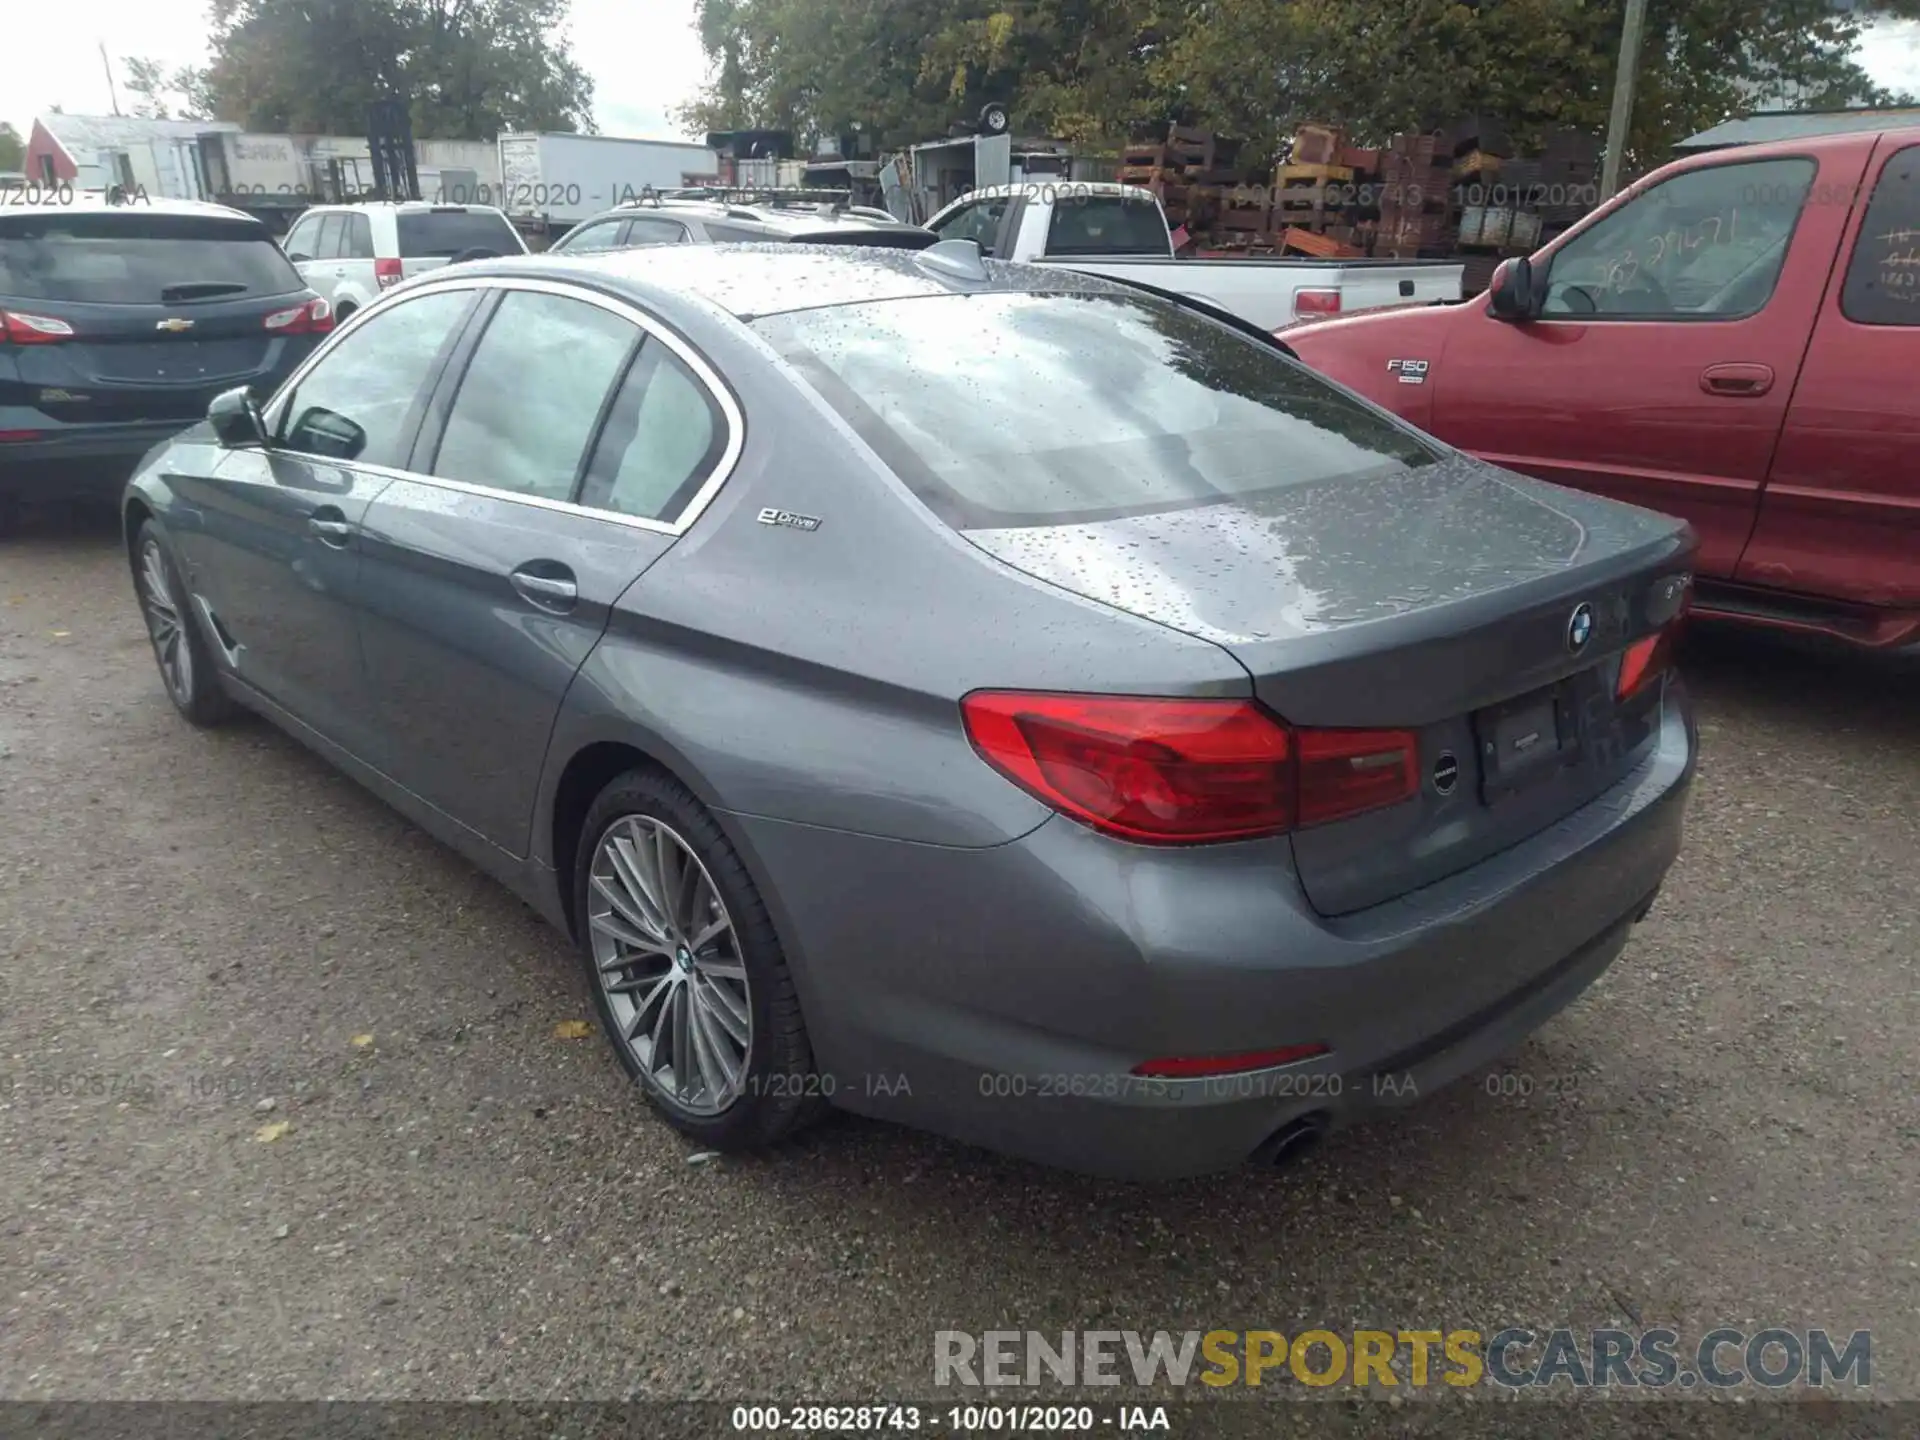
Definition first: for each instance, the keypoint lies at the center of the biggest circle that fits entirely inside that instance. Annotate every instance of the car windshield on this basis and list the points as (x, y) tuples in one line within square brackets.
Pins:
[(442, 234), (130, 258), (1042, 409)]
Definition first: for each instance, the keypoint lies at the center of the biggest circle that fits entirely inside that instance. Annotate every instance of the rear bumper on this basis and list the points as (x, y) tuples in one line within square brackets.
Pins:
[(1002, 996), (81, 463)]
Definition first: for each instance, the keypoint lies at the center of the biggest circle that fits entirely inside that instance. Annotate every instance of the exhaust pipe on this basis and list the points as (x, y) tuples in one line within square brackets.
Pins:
[(1292, 1141)]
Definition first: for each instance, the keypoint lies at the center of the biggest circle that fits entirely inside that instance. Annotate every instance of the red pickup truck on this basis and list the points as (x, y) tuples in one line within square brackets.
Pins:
[(1734, 340)]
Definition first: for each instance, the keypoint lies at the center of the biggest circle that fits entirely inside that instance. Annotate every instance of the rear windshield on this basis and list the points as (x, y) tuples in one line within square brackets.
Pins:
[(1008, 409), (128, 258), (443, 234), (1107, 225), (880, 237)]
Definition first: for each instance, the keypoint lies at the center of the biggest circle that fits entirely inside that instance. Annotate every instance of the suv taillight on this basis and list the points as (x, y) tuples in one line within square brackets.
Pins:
[(1186, 772), (18, 328), (314, 317), (388, 272)]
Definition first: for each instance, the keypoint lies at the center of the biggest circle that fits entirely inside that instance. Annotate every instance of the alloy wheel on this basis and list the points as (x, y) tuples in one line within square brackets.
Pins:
[(669, 964), (166, 623)]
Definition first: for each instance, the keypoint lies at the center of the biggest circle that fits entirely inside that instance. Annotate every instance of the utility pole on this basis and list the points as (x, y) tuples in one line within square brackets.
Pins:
[(107, 64), (1623, 78)]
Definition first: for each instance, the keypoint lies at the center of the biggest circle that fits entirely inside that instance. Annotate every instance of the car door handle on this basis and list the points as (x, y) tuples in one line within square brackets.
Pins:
[(549, 592), (332, 527), (1739, 380)]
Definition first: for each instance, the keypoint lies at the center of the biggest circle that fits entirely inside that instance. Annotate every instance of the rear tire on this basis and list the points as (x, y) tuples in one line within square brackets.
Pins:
[(687, 974), (186, 661)]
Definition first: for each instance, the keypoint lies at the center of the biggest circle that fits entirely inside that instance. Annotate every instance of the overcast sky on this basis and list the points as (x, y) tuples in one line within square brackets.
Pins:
[(644, 57)]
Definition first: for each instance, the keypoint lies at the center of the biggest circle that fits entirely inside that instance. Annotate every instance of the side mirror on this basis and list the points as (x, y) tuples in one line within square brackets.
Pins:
[(1511, 296), (236, 420)]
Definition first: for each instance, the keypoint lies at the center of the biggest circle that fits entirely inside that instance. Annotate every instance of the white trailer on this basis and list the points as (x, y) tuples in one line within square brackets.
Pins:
[(565, 178)]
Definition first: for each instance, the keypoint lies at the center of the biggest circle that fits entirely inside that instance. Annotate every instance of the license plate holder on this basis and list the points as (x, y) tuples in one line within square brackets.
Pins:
[(1525, 740)]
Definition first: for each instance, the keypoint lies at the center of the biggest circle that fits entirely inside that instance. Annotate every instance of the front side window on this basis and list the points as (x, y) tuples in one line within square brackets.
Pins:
[(602, 235), (1707, 244), (663, 438), (333, 234), (302, 240), (979, 222), (1093, 406), (532, 394), (1883, 278), (361, 402)]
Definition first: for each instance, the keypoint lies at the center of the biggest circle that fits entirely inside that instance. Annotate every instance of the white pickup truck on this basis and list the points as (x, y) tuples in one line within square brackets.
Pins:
[(1120, 231)]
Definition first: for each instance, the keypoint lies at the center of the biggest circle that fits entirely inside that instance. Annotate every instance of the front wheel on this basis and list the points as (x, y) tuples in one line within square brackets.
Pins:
[(186, 664), (688, 977)]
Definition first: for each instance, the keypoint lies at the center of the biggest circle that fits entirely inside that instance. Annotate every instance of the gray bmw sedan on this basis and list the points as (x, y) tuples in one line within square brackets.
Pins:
[(985, 697)]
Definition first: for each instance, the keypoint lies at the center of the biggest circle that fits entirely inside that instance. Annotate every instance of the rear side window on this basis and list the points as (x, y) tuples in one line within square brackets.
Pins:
[(443, 234), (126, 257), (1093, 407), (736, 234), (532, 394), (358, 244), (1106, 225), (1883, 278), (362, 401), (663, 438)]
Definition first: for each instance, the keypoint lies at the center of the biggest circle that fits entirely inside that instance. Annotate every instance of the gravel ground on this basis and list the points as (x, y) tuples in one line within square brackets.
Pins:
[(209, 934)]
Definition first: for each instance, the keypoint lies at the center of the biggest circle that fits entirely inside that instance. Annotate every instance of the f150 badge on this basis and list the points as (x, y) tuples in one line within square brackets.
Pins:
[(1411, 372)]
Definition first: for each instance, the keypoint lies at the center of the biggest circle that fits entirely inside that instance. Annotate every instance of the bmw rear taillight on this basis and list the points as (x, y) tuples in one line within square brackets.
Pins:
[(313, 317), (1315, 302), (1185, 772), (388, 273), (18, 328), (1646, 660)]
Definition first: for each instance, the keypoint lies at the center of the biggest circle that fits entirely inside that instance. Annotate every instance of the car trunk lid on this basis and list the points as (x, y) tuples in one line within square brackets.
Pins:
[(1440, 600)]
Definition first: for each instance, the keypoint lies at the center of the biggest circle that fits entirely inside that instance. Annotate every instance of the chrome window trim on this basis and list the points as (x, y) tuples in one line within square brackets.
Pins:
[(716, 388)]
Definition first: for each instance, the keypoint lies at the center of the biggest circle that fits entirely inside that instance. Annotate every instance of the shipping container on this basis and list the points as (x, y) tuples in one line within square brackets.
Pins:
[(565, 178)]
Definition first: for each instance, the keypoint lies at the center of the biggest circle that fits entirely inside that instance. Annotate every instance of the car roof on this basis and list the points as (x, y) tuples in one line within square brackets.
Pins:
[(95, 201), (1028, 188), (752, 280), (408, 207), (790, 219)]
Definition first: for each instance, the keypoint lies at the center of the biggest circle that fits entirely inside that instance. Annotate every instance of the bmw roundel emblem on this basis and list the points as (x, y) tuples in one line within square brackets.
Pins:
[(1579, 628)]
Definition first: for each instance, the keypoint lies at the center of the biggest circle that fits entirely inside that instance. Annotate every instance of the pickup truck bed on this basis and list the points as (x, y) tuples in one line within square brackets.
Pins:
[(1120, 232)]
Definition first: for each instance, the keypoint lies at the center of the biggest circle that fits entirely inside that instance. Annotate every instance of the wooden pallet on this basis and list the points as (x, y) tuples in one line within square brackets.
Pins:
[(1284, 175), (1248, 217), (1325, 247)]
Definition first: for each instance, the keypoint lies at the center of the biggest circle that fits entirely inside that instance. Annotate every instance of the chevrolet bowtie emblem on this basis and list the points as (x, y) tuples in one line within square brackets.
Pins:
[(173, 326)]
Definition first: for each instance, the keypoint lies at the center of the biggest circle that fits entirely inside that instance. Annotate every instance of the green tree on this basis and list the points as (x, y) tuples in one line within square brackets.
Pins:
[(13, 149), (160, 95), (1257, 68), (468, 68)]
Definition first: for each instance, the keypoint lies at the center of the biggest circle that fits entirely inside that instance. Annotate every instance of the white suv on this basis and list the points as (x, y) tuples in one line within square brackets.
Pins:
[(351, 253)]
